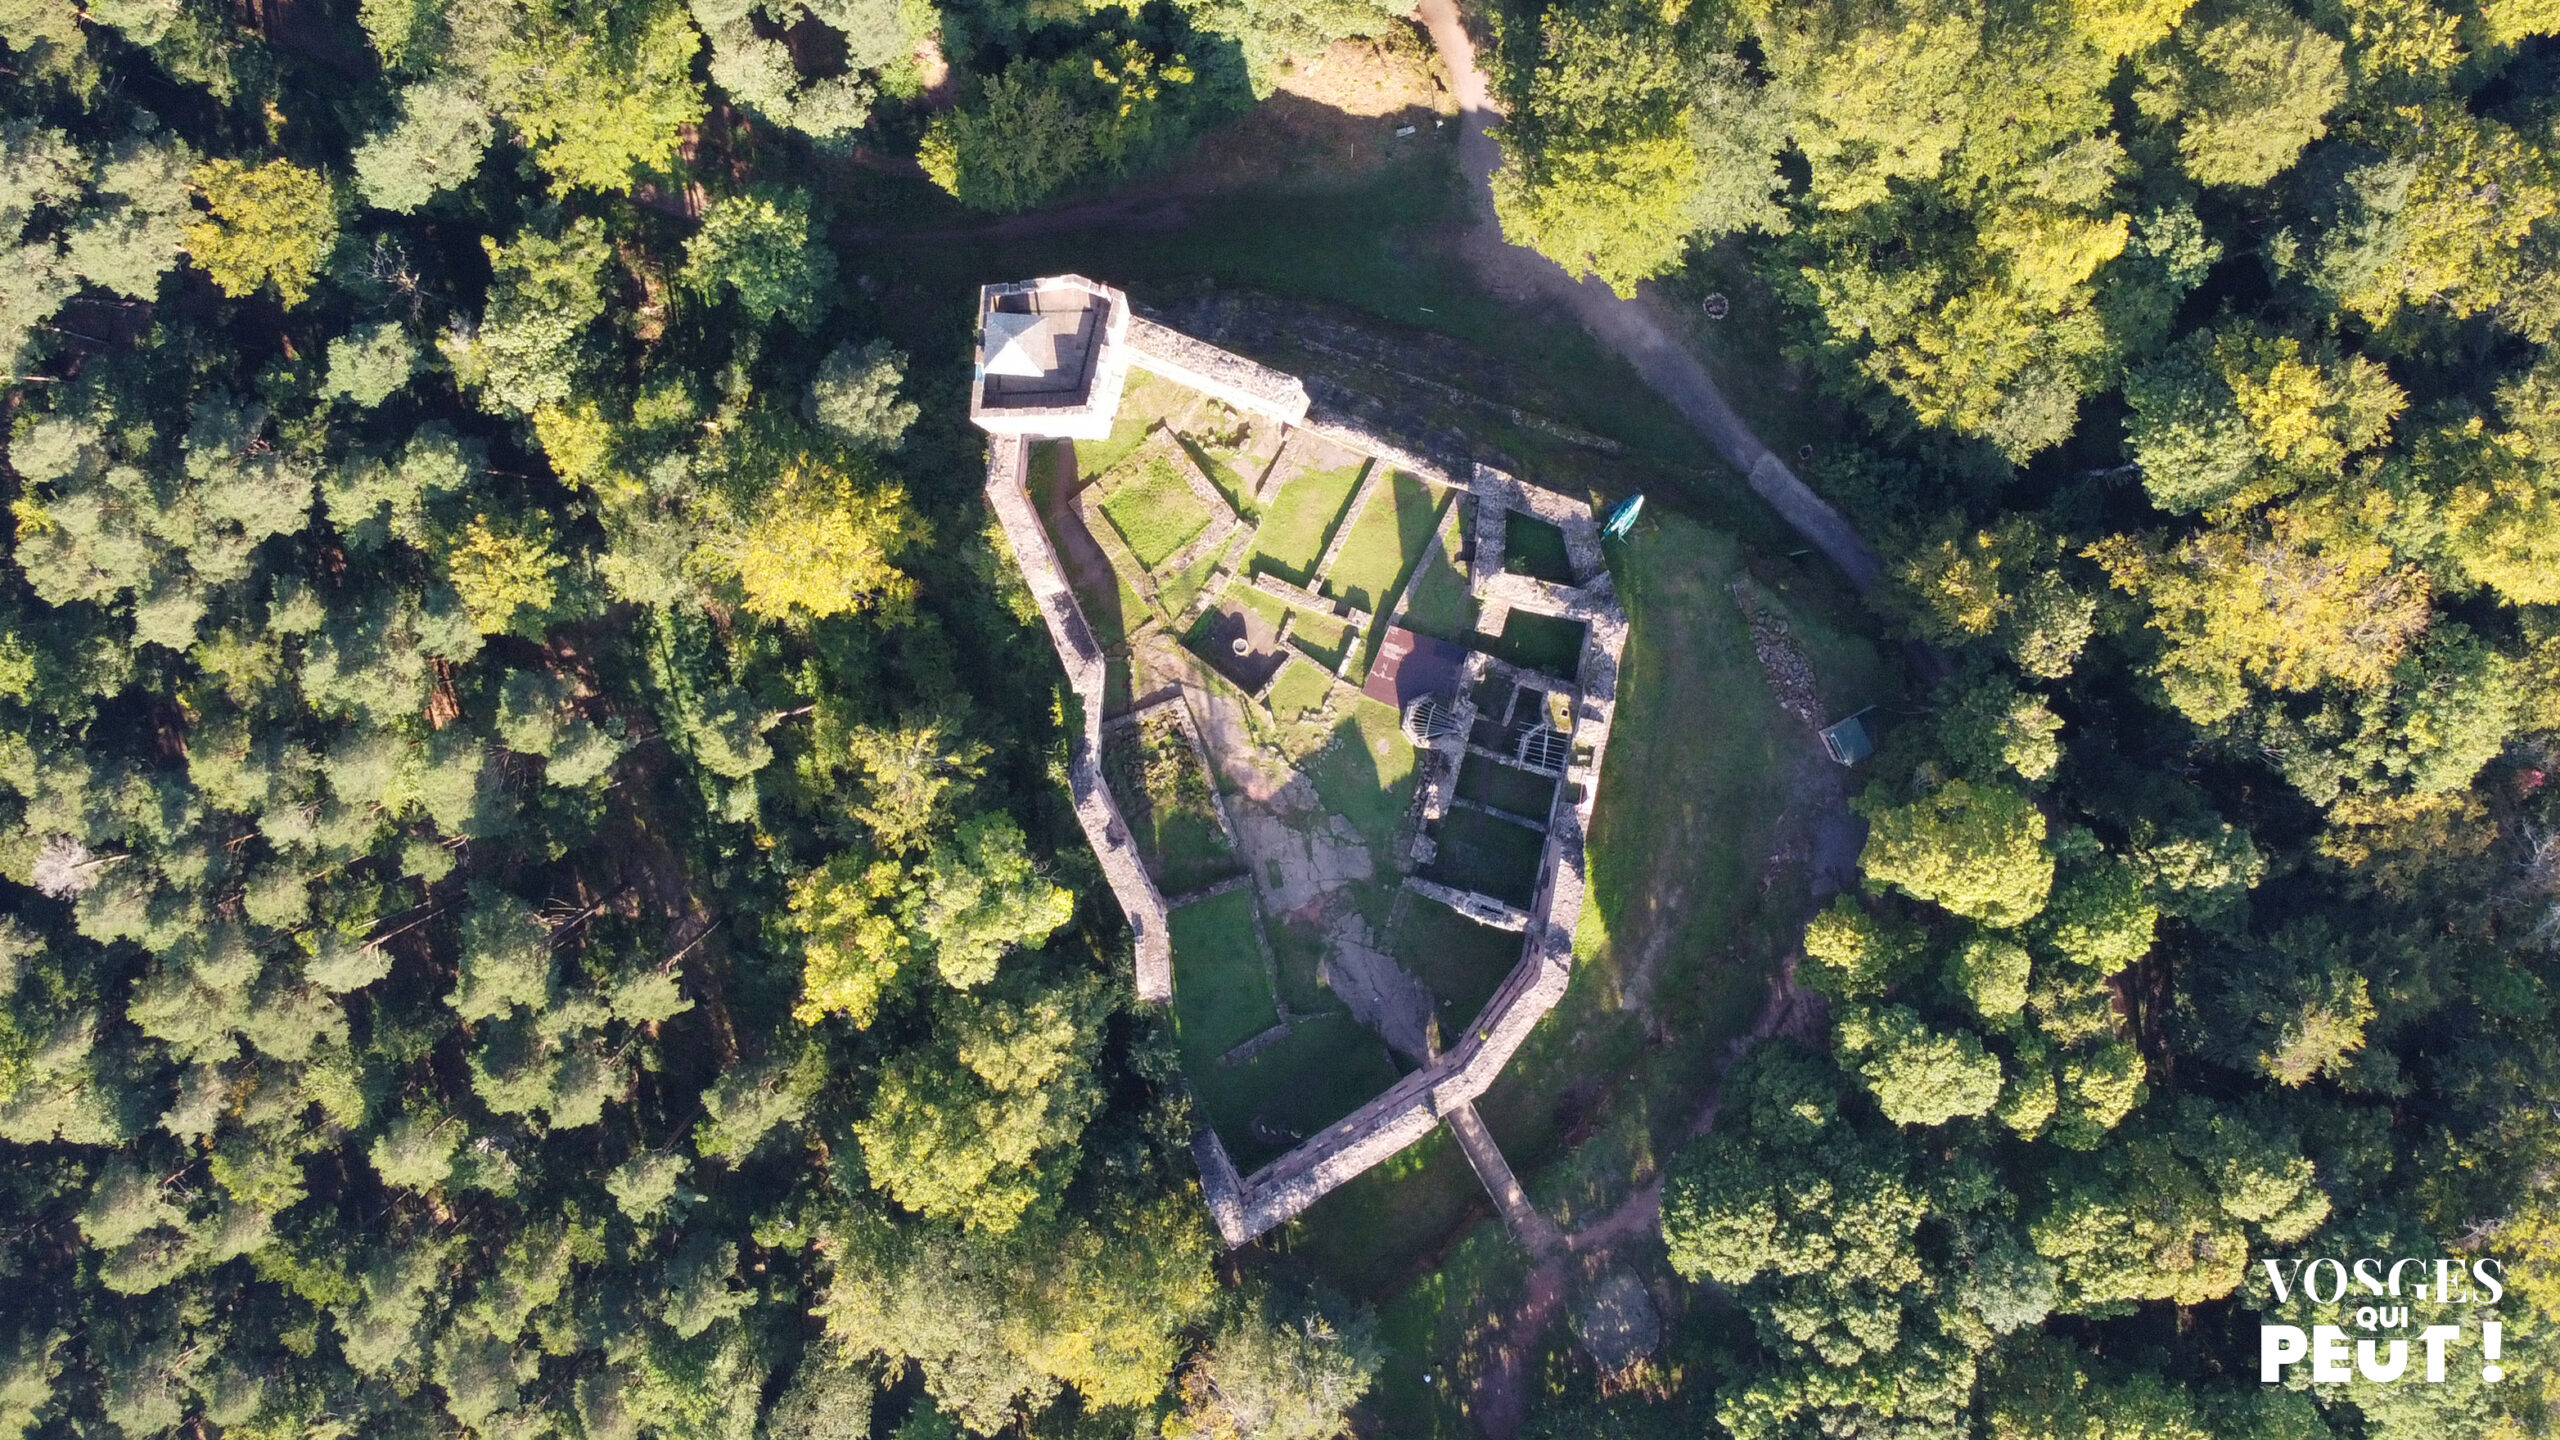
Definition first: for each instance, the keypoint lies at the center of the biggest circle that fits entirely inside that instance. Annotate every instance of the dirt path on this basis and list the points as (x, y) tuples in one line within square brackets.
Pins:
[(1633, 328)]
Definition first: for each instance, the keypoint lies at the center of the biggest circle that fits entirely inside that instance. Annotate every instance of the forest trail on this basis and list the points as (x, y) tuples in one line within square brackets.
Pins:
[(1629, 327)]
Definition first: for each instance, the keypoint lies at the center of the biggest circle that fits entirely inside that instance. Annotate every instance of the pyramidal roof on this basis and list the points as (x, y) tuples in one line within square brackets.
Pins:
[(1020, 344)]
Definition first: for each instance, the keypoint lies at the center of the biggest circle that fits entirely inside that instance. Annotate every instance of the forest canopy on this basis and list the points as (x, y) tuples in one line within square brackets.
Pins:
[(539, 899), (2187, 361), (534, 900)]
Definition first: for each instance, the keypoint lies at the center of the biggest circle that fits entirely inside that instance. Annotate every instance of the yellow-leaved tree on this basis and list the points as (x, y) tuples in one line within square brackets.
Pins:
[(266, 224), (817, 543)]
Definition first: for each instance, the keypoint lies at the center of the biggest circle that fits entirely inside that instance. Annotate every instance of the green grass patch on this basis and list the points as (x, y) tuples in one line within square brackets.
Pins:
[(1178, 591), (1328, 1067), (1301, 521), (1463, 962), (1096, 458), (1506, 787), (1112, 613), (1154, 510), (1439, 602), (1387, 537), (1271, 608), (1695, 779), (1365, 772), (1532, 547), (1300, 688), (1172, 812), (1148, 400), (1300, 949), (1547, 643), (1494, 857), (1221, 993), (1322, 637)]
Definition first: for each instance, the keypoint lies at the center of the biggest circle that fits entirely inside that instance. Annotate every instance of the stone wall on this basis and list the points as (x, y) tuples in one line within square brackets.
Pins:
[(1081, 654), (1212, 371)]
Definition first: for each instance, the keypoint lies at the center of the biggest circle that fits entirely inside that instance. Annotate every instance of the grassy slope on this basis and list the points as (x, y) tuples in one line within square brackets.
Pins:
[(1531, 546), (1327, 1068), (1697, 778)]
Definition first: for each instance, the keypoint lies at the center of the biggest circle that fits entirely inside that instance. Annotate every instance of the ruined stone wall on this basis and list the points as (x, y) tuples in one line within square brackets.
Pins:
[(1409, 1109), (1244, 1207), (1081, 654)]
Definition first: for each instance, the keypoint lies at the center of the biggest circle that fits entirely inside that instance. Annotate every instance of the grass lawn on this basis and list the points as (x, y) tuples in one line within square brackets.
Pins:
[(1849, 672), (1532, 547), (1387, 537), (1148, 399), (1154, 510), (1301, 520), (1463, 962), (1221, 994), (1300, 688), (1478, 852), (1365, 773), (1170, 808), (1327, 1068), (1506, 787), (1547, 643), (1440, 603), (1271, 608), (1321, 636), (1695, 778)]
